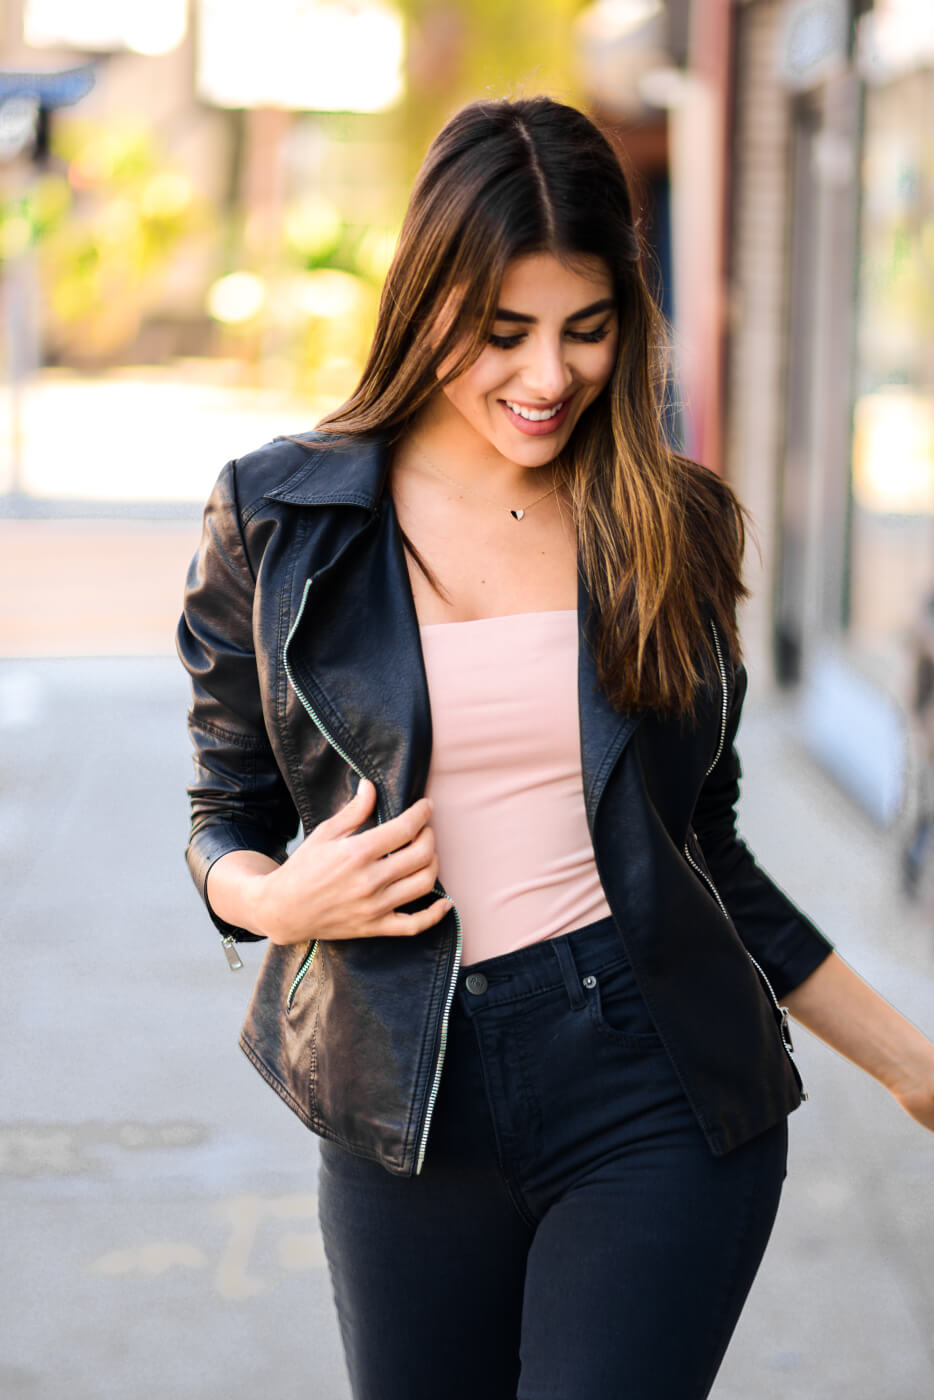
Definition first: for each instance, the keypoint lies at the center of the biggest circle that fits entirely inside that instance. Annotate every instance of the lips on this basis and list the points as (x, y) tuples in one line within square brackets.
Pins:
[(537, 422)]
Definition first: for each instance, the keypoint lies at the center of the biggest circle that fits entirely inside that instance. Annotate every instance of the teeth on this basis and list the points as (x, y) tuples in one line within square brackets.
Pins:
[(532, 414)]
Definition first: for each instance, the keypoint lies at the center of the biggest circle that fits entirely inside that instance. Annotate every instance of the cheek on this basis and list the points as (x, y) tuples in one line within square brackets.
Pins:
[(469, 389), (604, 364)]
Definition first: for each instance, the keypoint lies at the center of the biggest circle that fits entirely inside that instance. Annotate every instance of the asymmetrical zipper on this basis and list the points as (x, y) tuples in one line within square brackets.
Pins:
[(299, 977), (707, 879), (443, 1041), (449, 998)]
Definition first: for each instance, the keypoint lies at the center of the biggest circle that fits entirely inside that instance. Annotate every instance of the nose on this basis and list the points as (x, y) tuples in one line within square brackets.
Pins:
[(547, 374)]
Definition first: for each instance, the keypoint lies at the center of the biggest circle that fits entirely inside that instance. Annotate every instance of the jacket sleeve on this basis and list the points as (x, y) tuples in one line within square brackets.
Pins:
[(239, 799), (787, 946)]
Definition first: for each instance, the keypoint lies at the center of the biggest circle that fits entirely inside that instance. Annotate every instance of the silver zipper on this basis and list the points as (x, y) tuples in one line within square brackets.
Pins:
[(707, 879), (229, 945), (442, 1043), (724, 708), (782, 1010), (300, 974)]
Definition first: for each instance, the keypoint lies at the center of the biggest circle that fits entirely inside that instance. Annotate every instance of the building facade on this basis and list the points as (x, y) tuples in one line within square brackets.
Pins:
[(829, 403)]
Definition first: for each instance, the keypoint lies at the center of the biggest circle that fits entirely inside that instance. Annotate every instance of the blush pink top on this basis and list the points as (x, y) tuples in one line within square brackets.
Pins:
[(514, 850)]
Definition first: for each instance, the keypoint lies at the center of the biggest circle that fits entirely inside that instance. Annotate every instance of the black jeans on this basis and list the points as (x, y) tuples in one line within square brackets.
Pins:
[(571, 1236)]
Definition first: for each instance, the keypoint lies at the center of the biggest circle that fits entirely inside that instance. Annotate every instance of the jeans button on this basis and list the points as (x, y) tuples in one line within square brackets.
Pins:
[(477, 984), (589, 982)]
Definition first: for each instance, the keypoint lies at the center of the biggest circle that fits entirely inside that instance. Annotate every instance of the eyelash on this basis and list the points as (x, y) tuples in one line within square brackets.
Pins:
[(509, 342)]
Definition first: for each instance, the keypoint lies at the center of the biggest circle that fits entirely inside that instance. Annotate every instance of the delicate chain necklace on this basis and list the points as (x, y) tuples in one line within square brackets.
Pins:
[(462, 486)]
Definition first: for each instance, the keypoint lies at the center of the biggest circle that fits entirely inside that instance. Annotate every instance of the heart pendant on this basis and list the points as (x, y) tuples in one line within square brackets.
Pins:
[(517, 514)]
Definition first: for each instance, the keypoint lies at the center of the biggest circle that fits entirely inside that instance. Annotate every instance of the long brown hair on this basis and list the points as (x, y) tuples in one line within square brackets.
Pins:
[(660, 539)]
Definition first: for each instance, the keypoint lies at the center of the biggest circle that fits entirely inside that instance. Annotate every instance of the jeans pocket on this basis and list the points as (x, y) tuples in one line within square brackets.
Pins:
[(617, 1008)]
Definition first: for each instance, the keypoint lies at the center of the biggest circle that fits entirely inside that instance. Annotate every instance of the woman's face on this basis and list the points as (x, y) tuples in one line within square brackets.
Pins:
[(551, 351)]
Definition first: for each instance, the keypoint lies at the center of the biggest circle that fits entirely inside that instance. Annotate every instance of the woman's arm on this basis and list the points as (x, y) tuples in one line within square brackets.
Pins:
[(835, 1004), (340, 882), (239, 798)]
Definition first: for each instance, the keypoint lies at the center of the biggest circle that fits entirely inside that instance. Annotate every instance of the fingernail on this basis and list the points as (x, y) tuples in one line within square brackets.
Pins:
[(360, 784)]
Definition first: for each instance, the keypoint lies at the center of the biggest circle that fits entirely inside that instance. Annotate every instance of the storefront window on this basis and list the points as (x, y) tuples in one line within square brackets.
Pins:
[(892, 543)]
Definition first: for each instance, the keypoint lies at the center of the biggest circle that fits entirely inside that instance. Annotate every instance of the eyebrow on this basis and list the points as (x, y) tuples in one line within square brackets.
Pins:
[(607, 304)]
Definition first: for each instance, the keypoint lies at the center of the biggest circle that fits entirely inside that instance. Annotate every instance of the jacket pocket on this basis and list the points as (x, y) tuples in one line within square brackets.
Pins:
[(301, 974)]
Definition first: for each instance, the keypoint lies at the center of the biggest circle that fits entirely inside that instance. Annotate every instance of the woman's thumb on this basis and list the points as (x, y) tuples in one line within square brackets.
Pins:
[(350, 816)]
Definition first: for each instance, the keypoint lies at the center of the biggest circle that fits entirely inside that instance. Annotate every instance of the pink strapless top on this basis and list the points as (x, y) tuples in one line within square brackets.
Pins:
[(514, 850)]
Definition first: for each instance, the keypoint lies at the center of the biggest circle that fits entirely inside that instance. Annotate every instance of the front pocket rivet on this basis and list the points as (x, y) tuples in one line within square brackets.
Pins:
[(589, 983)]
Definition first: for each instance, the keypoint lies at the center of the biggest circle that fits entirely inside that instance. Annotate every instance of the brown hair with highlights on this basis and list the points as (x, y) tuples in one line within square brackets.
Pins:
[(660, 539)]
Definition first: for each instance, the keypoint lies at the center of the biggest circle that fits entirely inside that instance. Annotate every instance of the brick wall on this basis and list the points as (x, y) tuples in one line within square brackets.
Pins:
[(758, 281)]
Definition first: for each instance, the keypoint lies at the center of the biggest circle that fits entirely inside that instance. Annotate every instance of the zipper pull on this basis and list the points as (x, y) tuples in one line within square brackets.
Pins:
[(786, 1030), (230, 953)]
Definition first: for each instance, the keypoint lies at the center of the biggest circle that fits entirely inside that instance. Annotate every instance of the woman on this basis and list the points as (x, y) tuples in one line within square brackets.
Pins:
[(481, 626)]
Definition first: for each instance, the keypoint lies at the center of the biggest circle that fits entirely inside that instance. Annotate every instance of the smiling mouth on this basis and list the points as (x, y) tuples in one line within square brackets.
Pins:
[(535, 415)]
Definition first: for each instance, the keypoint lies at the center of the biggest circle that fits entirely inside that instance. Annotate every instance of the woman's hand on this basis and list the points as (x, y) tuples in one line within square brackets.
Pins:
[(835, 1004), (340, 883)]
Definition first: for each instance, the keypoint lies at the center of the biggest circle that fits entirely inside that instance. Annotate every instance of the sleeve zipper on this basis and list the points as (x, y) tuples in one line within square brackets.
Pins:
[(782, 1011), (229, 945)]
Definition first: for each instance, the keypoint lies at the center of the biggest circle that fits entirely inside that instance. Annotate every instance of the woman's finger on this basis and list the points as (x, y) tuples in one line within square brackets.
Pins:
[(399, 831), (416, 856), (398, 925), (412, 887), (349, 817)]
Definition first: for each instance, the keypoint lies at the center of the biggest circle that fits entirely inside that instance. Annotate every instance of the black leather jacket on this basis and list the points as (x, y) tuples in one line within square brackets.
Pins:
[(301, 639)]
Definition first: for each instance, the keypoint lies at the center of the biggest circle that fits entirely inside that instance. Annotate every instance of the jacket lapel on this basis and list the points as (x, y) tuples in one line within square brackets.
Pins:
[(354, 653)]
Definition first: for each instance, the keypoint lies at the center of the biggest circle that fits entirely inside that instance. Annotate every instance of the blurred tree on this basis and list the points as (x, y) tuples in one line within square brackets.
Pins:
[(459, 50), (107, 223)]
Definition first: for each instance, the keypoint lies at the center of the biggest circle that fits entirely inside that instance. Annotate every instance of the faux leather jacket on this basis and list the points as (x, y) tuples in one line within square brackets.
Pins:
[(301, 639)]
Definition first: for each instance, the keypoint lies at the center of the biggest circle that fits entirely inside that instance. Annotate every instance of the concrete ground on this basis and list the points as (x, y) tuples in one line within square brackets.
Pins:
[(159, 1224)]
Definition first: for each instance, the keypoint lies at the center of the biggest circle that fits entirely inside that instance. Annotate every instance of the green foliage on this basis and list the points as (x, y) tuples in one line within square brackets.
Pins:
[(106, 226)]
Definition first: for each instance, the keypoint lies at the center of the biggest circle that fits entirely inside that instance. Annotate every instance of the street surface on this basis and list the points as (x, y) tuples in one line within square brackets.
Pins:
[(159, 1202)]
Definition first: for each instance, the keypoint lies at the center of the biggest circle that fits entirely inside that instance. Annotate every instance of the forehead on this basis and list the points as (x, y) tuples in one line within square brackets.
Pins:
[(541, 280)]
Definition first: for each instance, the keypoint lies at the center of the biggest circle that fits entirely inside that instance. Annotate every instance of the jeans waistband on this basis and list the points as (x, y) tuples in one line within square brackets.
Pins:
[(540, 966)]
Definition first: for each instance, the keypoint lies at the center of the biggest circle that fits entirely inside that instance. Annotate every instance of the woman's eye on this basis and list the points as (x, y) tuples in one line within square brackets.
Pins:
[(591, 337), (509, 342)]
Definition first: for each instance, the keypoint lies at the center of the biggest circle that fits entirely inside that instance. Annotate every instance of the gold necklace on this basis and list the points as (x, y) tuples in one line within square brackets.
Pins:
[(462, 486)]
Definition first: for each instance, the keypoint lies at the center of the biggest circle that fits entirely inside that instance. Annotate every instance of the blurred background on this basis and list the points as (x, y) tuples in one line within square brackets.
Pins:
[(198, 201)]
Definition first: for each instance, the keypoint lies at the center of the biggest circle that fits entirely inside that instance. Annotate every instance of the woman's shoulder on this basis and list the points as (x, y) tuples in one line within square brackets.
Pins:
[(297, 468), (713, 545)]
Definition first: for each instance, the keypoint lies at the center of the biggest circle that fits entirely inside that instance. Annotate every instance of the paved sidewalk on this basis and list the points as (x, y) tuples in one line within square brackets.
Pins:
[(73, 587), (843, 1308), (161, 1202)]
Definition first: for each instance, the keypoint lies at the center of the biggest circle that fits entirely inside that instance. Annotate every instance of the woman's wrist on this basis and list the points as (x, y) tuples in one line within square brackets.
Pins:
[(238, 893), (258, 895), (836, 1005)]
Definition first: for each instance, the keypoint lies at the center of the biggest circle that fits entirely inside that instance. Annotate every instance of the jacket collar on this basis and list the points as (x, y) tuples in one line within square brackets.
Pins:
[(359, 480)]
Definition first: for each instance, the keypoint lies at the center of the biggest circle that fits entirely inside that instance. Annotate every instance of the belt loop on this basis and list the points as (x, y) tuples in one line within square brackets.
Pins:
[(572, 982)]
